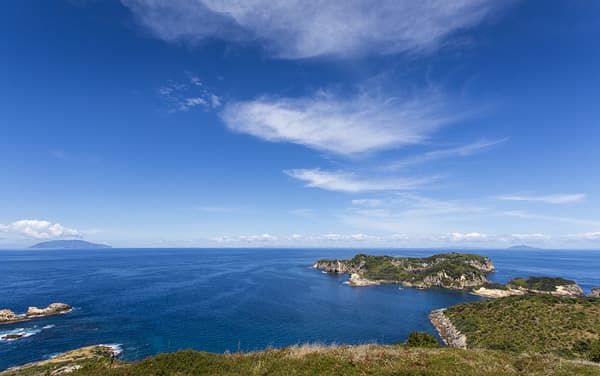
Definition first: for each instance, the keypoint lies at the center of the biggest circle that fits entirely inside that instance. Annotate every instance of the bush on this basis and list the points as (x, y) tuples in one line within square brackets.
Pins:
[(417, 339)]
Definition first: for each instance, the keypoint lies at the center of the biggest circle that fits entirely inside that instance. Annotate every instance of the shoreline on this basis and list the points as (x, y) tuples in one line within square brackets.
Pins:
[(451, 336)]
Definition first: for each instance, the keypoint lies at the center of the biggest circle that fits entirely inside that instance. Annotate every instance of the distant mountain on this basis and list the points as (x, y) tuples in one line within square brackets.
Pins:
[(69, 244), (522, 247)]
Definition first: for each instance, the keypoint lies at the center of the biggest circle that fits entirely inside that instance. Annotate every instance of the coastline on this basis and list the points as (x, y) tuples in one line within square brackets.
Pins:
[(447, 331)]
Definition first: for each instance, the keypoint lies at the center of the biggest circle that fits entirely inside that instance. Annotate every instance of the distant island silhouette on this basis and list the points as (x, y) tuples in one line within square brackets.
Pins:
[(522, 247), (69, 244)]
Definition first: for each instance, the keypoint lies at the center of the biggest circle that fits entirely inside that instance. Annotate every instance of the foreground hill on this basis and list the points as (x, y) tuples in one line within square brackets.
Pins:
[(566, 327), (447, 270), (69, 244), (319, 360)]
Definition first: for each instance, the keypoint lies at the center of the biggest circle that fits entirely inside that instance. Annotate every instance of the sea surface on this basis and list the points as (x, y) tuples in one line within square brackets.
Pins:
[(162, 300)]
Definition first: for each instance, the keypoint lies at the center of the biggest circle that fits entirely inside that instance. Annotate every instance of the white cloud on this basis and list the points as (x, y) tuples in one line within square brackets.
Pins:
[(461, 151), (183, 97), (39, 229), (260, 238), (526, 215), (471, 236), (348, 182), (548, 199), (303, 29), (347, 126)]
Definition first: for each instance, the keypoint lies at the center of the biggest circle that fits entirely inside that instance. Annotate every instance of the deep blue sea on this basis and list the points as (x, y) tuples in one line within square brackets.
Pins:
[(159, 300)]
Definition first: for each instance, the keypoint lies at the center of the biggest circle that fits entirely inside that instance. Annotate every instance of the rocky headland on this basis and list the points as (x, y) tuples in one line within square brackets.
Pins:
[(447, 331), (595, 293), (458, 271), (558, 287), (7, 316)]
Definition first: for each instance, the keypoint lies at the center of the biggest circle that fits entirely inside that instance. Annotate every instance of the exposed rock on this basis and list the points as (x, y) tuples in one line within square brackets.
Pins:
[(65, 369), (52, 309), (8, 337), (497, 293), (450, 335), (7, 316), (595, 293), (335, 266), (358, 281)]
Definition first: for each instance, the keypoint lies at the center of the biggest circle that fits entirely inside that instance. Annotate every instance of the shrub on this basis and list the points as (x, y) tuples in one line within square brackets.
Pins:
[(418, 339)]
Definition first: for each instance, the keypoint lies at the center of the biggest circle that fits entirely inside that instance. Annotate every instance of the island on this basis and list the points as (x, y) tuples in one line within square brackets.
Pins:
[(69, 244), (7, 316), (457, 271), (523, 247)]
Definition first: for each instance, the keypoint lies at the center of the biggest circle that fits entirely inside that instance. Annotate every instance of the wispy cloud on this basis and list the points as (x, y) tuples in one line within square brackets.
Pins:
[(303, 29), (461, 151), (548, 199), (185, 96), (526, 215), (353, 125), (37, 229), (348, 182)]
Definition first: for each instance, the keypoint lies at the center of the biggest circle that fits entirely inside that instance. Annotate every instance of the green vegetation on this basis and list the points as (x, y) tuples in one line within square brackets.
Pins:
[(567, 327), (450, 270), (539, 283), (344, 360), (419, 339)]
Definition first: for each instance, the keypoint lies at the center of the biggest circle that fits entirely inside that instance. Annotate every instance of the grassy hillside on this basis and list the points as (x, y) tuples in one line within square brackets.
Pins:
[(344, 360), (539, 283), (567, 327)]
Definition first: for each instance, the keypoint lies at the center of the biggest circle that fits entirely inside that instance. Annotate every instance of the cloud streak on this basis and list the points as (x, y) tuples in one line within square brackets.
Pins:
[(346, 126), (304, 29), (548, 199), (461, 151), (348, 182)]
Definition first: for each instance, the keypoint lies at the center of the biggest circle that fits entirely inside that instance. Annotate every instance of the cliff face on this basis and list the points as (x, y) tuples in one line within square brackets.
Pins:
[(450, 335), (449, 270), (595, 293)]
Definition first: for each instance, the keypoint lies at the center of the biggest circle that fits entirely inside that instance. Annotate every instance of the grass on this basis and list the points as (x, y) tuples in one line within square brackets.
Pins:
[(347, 360), (564, 327), (539, 283)]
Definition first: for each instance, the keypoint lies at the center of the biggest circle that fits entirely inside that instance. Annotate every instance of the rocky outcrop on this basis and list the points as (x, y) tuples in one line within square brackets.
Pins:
[(335, 266), (450, 335), (595, 293), (496, 293), (554, 286), (8, 317), (358, 281), (52, 309)]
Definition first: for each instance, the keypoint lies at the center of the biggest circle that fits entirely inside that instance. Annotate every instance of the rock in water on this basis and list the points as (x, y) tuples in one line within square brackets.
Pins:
[(52, 309), (8, 316)]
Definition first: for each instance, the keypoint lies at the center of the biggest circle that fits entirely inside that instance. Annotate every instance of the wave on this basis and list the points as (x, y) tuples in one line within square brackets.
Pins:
[(117, 348), (20, 333)]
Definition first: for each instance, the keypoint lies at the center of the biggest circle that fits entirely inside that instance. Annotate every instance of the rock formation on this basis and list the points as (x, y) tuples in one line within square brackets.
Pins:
[(595, 293), (52, 309), (8, 317), (450, 335)]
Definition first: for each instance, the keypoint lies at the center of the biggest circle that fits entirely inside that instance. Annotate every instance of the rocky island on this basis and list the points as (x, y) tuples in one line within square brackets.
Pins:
[(458, 271), (7, 316)]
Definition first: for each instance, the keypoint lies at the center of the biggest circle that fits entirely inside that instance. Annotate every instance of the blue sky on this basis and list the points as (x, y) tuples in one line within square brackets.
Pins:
[(155, 123)]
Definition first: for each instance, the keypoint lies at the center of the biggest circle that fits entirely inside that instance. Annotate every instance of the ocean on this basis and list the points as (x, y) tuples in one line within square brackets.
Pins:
[(149, 301)]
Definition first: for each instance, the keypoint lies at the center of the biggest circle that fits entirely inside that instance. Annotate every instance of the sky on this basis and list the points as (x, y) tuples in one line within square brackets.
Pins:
[(204, 123)]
